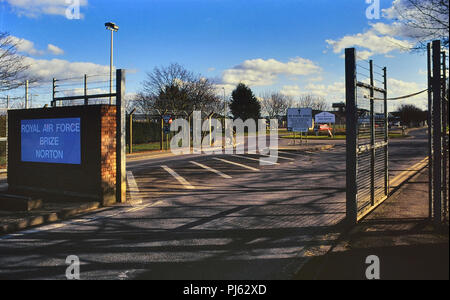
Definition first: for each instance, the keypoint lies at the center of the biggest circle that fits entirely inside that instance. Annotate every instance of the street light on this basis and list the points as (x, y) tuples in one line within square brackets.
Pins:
[(113, 28)]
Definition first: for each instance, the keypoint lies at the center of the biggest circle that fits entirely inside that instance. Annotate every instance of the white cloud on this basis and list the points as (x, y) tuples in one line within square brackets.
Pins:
[(55, 49), (399, 88), (260, 72), (35, 8), (407, 26), (291, 90), (25, 46), (335, 91), (58, 68), (28, 48), (315, 79), (377, 40)]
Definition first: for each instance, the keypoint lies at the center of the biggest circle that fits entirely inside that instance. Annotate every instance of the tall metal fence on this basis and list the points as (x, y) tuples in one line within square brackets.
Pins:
[(438, 132), (367, 136)]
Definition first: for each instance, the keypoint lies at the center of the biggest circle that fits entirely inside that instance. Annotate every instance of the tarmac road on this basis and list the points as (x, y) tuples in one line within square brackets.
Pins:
[(204, 217)]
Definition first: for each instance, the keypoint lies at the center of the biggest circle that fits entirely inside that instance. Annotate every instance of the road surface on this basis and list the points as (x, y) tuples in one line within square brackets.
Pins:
[(204, 217)]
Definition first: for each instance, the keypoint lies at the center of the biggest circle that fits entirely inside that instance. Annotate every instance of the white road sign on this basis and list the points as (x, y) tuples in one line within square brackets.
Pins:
[(299, 119), (325, 118)]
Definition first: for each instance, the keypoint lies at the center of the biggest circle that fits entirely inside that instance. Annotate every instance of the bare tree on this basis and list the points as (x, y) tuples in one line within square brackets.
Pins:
[(312, 101), (12, 66), (275, 104), (425, 20), (177, 90)]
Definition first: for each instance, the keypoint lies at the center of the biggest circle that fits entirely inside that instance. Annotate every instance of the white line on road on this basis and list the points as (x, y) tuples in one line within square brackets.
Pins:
[(141, 207), (180, 179), (133, 188), (279, 157), (211, 170), (75, 222), (256, 159), (236, 164)]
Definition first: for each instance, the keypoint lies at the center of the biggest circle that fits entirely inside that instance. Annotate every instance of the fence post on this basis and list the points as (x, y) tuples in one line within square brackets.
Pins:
[(386, 136), (86, 100), (162, 135), (121, 183), (437, 133), (351, 136), (7, 129), (54, 93), (430, 132), (26, 94), (372, 136), (130, 125), (444, 140)]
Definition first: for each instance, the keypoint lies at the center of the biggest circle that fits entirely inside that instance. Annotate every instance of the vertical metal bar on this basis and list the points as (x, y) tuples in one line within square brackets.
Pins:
[(430, 132), (386, 136), (86, 100), (444, 139), (162, 134), (6, 126), (351, 121), (54, 93), (26, 94), (130, 125), (372, 136), (437, 134), (120, 137)]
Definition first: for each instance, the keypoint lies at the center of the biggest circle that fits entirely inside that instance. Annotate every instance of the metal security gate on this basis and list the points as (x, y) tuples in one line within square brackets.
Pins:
[(367, 136), (438, 132)]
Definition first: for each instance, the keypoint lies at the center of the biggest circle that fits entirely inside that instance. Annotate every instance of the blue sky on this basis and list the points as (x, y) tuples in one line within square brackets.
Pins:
[(290, 46)]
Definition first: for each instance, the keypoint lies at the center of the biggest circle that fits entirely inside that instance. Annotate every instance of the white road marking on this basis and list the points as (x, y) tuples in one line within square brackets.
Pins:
[(134, 189), (236, 164), (141, 207), (75, 222), (256, 159), (211, 170), (279, 157), (180, 179)]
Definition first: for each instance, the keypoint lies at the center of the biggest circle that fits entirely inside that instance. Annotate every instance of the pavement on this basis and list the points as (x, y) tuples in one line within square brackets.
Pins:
[(399, 233), (205, 217)]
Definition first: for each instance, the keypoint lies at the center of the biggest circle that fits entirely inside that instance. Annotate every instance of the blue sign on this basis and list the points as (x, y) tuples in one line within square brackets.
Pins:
[(54, 141)]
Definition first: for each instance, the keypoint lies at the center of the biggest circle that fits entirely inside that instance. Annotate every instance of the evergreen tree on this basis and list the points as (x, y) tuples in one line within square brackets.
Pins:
[(244, 104)]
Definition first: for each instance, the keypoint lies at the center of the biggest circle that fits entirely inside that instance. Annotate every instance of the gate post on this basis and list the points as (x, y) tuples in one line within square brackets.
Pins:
[(430, 132), (351, 135), (121, 183), (372, 136), (444, 135), (437, 133)]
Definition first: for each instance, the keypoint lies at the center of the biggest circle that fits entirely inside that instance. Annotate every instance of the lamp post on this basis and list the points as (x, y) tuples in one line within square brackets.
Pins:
[(113, 28)]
